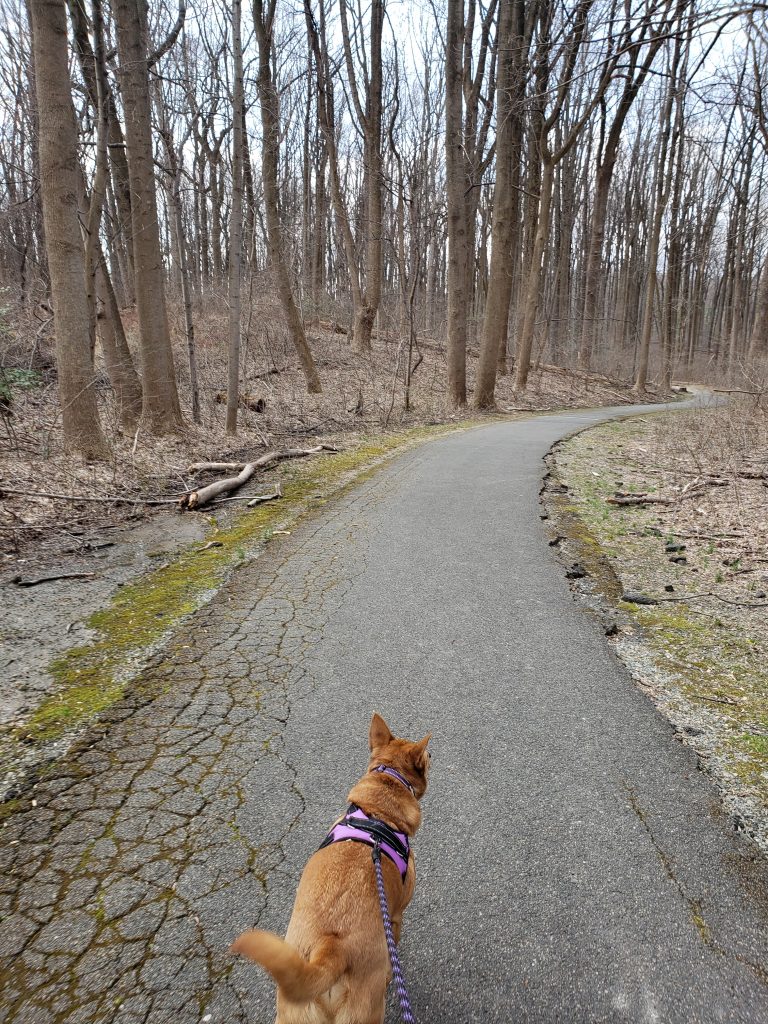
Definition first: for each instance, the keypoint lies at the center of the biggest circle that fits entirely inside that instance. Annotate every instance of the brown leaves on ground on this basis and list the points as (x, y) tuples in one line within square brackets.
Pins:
[(361, 396)]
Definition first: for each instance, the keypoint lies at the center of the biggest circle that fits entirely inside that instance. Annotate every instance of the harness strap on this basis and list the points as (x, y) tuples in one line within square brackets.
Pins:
[(357, 827)]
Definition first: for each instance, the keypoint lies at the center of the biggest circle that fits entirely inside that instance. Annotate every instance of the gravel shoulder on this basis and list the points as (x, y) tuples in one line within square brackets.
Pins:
[(680, 580)]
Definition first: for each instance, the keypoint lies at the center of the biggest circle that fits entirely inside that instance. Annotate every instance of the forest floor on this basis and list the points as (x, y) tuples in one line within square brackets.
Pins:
[(132, 566), (362, 397), (664, 524)]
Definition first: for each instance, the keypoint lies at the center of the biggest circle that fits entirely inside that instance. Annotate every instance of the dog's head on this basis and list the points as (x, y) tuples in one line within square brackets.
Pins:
[(410, 758)]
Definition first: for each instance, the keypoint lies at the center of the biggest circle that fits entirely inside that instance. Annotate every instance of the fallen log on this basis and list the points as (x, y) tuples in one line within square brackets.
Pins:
[(198, 498)]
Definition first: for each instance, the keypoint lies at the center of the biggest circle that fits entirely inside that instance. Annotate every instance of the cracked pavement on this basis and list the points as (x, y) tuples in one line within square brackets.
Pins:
[(573, 864)]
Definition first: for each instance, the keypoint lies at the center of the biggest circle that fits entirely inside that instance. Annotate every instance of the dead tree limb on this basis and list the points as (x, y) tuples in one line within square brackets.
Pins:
[(111, 499), (198, 498), (640, 499), (21, 582), (219, 467)]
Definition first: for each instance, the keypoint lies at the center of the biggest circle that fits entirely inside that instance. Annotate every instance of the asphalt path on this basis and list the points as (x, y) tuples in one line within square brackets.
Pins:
[(573, 864)]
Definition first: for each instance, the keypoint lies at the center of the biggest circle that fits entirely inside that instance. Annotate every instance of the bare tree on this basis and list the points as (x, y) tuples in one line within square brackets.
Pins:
[(514, 35), (465, 161), (235, 221), (59, 172), (661, 189), (264, 21), (161, 409)]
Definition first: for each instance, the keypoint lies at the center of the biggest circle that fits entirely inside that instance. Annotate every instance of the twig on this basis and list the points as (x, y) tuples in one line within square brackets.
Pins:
[(49, 579), (716, 700), (110, 499), (12, 527), (737, 391), (717, 597), (261, 498)]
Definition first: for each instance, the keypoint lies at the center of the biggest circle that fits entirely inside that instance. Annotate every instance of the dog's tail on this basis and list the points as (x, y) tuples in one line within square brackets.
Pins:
[(299, 980)]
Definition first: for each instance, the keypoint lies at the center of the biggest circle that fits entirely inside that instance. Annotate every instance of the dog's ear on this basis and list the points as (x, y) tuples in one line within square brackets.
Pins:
[(420, 751), (379, 734)]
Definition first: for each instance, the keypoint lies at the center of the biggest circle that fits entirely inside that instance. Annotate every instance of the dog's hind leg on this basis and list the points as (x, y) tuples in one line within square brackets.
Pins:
[(368, 1009)]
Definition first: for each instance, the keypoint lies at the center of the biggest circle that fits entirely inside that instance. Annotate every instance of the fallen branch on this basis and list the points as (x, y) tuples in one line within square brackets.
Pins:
[(639, 499), (222, 467), (717, 597), (111, 499), (716, 700), (261, 498), (50, 579), (736, 391), (691, 490), (198, 498)]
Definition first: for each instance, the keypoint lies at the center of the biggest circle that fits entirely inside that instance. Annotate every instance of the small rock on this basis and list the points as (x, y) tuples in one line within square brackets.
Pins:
[(576, 572), (669, 588), (679, 560), (612, 629), (672, 548), (632, 598), (761, 594)]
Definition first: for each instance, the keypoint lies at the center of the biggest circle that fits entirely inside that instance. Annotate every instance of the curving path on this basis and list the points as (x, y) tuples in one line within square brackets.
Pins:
[(573, 865)]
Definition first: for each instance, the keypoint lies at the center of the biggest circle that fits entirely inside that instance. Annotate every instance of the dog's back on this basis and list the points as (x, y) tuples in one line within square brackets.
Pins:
[(333, 965)]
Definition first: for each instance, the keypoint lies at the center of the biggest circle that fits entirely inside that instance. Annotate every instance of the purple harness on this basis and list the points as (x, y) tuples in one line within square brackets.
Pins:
[(358, 827)]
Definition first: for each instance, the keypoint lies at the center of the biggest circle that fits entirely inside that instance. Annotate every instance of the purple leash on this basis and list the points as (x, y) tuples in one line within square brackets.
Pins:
[(405, 1006)]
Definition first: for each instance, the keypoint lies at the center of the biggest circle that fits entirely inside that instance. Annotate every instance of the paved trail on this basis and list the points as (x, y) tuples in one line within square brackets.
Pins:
[(572, 867)]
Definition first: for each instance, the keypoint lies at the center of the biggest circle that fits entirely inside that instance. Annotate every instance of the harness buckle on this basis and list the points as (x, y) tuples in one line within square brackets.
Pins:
[(376, 852)]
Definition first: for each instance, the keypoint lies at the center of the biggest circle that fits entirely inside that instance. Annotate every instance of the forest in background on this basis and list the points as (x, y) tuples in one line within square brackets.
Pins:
[(193, 196)]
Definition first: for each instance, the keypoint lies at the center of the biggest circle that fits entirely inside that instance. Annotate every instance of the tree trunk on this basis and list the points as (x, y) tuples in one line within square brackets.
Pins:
[(59, 173), (161, 410), (458, 240), (235, 222), (758, 341), (511, 43), (264, 23), (533, 281), (117, 356), (661, 194), (369, 120)]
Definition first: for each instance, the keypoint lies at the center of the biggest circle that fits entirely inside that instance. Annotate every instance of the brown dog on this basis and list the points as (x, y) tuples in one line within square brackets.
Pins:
[(333, 965)]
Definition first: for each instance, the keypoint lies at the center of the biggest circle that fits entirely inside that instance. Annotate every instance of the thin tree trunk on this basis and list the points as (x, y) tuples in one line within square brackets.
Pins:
[(235, 223), (117, 356), (661, 195), (533, 282), (511, 32), (758, 341), (458, 240), (161, 411), (264, 22)]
